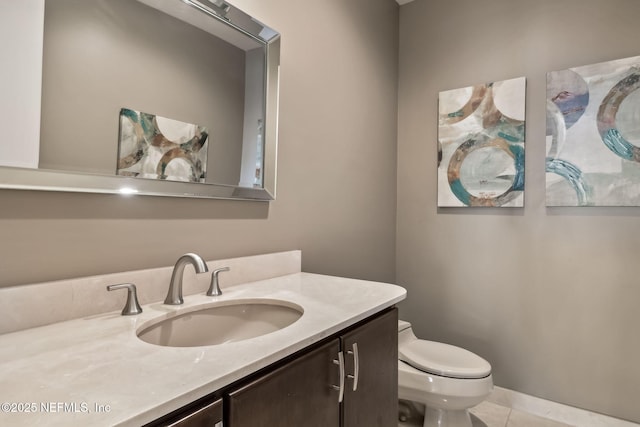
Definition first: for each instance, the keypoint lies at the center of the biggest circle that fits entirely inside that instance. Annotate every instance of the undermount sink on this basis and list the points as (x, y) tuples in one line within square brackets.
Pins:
[(225, 322)]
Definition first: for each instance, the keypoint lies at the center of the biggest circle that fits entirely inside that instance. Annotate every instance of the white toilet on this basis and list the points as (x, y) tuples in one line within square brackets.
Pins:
[(448, 380)]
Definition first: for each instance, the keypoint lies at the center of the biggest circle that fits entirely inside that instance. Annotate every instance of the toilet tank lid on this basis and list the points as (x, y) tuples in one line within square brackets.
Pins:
[(444, 360), (403, 324)]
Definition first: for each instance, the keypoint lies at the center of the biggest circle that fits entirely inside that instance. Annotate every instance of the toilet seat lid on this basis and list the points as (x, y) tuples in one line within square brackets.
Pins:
[(444, 359)]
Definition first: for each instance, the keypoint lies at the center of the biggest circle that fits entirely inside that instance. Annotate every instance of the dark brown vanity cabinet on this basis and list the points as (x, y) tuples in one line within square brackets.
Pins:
[(296, 394), (349, 381), (372, 351)]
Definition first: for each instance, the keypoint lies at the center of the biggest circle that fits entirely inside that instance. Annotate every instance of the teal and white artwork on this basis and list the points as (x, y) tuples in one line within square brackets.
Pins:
[(593, 135), (481, 135), (156, 147)]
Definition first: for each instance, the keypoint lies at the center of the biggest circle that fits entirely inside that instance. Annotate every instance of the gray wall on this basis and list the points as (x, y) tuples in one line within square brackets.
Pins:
[(337, 115), (548, 296)]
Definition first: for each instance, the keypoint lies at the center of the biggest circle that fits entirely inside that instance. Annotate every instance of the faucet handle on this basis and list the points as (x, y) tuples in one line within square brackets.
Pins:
[(214, 289), (131, 306)]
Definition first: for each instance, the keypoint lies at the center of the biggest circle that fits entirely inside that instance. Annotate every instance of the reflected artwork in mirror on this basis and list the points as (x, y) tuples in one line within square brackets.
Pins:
[(159, 97), (156, 147)]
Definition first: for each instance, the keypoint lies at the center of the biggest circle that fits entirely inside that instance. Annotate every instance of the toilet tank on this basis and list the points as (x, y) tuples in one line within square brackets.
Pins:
[(405, 333), (402, 325)]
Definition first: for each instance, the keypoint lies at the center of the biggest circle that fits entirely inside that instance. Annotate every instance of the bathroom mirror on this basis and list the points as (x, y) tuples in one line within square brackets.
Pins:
[(122, 78)]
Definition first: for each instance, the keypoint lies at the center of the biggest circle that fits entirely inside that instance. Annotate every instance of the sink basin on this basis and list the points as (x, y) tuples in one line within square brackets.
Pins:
[(224, 322)]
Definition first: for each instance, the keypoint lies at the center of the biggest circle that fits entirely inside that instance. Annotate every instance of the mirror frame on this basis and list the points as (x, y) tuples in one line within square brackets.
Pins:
[(65, 181)]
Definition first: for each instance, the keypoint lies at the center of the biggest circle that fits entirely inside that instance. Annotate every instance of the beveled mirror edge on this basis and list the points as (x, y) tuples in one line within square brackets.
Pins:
[(16, 178), (271, 109), (49, 180)]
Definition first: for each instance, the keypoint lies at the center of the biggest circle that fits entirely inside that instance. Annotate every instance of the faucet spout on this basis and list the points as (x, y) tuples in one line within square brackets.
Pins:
[(174, 296)]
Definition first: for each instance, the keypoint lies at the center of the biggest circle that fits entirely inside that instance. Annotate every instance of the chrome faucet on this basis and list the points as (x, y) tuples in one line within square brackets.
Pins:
[(174, 296)]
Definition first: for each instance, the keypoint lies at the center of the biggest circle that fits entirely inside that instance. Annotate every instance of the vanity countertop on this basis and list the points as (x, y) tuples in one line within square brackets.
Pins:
[(95, 371)]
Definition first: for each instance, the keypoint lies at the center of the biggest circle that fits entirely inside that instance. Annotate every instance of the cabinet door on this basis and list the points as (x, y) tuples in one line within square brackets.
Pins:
[(374, 402), (297, 394)]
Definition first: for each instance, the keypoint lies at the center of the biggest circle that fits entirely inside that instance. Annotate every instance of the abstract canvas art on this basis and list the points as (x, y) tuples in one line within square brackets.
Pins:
[(156, 147), (481, 132), (593, 135)]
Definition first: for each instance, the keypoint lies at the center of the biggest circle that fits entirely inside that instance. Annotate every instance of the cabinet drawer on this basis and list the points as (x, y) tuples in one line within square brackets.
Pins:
[(209, 415)]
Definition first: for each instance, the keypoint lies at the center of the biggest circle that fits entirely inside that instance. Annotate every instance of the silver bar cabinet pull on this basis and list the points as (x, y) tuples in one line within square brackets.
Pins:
[(340, 388), (356, 366)]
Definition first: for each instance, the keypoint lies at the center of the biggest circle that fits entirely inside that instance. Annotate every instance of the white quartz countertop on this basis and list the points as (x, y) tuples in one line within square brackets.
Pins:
[(95, 371)]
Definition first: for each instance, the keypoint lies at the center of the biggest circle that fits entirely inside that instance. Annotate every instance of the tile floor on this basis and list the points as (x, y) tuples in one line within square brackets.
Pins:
[(508, 408), (489, 414)]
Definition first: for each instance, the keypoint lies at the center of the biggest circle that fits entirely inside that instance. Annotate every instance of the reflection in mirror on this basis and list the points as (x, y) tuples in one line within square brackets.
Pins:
[(139, 93)]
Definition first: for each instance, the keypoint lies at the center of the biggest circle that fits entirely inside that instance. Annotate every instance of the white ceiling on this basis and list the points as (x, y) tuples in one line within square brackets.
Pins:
[(401, 2)]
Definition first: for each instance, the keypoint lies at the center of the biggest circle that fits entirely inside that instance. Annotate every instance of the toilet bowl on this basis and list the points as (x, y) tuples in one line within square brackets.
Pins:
[(446, 379)]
